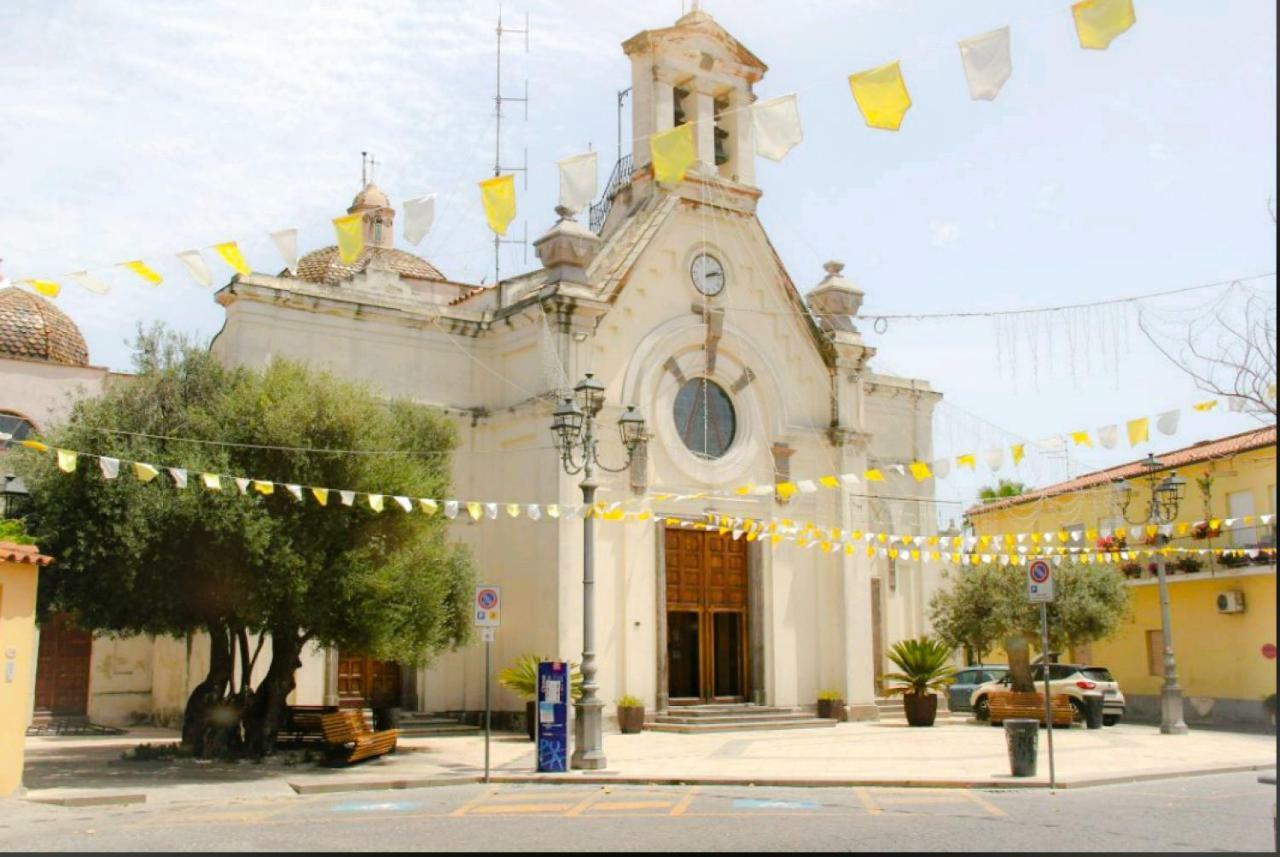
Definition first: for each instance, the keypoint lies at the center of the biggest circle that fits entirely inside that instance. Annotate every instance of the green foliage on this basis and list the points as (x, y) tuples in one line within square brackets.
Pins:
[(629, 701), (166, 752), (521, 678), (135, 557), (1004, 488), (830, 696), (924, 666), (12, 531)]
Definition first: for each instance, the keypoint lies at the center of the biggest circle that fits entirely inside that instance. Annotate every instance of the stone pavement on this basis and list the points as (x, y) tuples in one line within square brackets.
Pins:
[(965, 754)]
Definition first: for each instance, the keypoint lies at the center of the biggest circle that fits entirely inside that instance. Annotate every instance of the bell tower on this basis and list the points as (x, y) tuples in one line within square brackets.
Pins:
[(694, 71)]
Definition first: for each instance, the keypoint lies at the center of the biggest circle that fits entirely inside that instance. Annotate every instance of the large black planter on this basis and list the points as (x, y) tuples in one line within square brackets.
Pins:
[(921, 708), (1023, 739)]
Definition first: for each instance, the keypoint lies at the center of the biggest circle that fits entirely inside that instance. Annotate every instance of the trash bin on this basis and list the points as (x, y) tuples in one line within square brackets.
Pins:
[(386, 717), (1093, 710), (1023, 739)]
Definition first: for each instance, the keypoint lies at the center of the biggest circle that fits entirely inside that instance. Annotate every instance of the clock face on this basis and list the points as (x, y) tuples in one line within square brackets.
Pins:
[(708, 274)]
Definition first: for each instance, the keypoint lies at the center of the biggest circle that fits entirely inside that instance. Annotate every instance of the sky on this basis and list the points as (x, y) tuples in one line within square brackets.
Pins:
[(138, 129)]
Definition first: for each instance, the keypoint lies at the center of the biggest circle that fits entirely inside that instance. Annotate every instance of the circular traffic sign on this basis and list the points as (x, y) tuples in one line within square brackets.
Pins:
[(487, 598), (1269, 651), (1038, 571)]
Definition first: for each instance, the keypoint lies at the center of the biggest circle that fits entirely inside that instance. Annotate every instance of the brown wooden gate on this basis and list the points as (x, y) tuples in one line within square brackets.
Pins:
[(62, 669), (365, 682), (706, 617)]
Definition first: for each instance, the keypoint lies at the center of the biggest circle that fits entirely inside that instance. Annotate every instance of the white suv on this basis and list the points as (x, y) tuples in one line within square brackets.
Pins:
[(1072, 680)]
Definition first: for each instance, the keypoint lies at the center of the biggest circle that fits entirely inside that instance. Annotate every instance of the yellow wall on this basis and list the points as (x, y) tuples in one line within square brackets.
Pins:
[(17, 638), (1219, 655)]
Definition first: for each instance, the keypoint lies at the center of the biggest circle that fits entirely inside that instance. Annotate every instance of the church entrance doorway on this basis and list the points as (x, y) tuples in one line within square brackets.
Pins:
[(365, 682), (707, 648), (62, 668)]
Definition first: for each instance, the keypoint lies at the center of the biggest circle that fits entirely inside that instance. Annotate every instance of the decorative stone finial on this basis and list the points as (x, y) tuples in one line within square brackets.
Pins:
[(567, 247), (835, 300)]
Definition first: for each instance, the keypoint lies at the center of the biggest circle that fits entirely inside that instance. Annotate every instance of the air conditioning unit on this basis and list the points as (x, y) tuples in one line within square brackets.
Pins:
[(1231, 601)]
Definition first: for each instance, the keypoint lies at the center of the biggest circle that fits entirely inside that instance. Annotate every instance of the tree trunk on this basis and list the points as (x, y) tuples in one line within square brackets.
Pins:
[(265, 713), (208, 693), (242, 638), (1018, 648)]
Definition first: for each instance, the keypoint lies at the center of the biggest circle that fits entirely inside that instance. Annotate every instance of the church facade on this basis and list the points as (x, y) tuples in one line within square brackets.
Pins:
[(673, 297)]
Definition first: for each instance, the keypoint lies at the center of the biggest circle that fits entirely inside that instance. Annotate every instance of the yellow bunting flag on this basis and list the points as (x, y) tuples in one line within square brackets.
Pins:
[(230, 254), (144, 472), (1019, 451), (785, 489), (475, 510), (513, 509), (350, 232), (1081, 438), (499, 197), (1139, 431), (264, 487), (968, 460), (673, 152), (48, 288), (873, 475), (1205, 406), (321, 495), (428, 506), (829, 481), (881, 94), (66, 461), (212, 481), (140, 268), (34, 444), (1100, 21), (920, 471)]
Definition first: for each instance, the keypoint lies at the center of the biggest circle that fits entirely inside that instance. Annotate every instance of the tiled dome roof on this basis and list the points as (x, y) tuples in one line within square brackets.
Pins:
[(34, 329), (324, 266)]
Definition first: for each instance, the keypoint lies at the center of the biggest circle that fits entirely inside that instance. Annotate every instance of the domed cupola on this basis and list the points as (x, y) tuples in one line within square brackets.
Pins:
[(32, 328)]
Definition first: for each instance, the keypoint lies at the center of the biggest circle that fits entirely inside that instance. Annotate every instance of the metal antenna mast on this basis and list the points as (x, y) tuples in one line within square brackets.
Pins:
[(498, 168)]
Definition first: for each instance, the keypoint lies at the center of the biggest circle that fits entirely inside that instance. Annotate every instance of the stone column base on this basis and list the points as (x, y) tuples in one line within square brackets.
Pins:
[(863, 711)]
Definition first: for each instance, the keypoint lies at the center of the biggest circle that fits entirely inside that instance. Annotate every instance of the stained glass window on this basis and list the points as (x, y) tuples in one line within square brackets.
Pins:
[(705, 418)]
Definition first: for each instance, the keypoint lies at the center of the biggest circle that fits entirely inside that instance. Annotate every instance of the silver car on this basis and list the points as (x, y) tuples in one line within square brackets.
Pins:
[(965, 680), (1073, 680)]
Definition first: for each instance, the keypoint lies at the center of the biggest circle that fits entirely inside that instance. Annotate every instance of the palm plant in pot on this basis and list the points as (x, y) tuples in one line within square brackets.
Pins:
[(925, 668), (521, 678)]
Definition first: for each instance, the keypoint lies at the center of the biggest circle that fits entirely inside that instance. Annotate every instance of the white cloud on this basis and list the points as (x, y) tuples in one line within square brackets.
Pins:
[(943, 233)]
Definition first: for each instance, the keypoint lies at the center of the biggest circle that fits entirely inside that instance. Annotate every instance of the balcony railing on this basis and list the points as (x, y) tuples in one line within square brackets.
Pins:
[(618, 179)]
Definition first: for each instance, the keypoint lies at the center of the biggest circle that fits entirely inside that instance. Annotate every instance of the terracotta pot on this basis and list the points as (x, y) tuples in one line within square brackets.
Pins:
[(831, 709), (631, 719), (921, 709)]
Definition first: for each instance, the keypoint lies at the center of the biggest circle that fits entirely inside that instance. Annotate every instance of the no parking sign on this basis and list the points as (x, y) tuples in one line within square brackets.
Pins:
[(488, 606), (1039, 581)]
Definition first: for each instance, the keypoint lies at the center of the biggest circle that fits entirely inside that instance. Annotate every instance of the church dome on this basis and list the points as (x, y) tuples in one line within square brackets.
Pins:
[(371, 197), (324, 265), (31, 328)]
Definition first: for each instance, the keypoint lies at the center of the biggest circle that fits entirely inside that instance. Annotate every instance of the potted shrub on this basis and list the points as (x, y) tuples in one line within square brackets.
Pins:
[(630, 715), (1203, 530), (831, 705), (924, 669), (1188, 564), (1132, 569), (521, 678), (1269, 706)]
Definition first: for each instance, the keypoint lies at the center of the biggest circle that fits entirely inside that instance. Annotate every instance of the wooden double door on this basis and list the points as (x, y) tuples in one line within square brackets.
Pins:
[(365, 682), (707, 617), (62, 667)]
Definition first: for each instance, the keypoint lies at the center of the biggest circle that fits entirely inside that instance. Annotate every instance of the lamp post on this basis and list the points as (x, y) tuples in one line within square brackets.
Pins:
[(1166, 494), (573, 428)]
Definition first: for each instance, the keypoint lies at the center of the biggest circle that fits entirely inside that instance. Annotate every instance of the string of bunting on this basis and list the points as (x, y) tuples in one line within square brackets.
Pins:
[(880, 94), (1137, 431)]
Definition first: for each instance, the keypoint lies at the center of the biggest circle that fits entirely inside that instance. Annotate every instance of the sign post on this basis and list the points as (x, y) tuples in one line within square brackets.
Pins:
[(487, 610), (553, 717), (1040, 589)]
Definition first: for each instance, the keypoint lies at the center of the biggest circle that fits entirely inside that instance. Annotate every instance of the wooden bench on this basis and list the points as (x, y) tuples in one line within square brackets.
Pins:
[(1005, 705), (302, 723), (350, 739)]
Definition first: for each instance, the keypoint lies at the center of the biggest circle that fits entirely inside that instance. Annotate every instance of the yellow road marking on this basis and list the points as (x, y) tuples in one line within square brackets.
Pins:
[(632, 804), (868, 803), (587, 801), (518, 808), (683, 806), (984, 803), (484, 793), (926, 798)]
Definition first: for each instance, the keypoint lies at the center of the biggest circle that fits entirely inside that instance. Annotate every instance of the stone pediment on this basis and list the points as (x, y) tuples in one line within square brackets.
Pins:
[(691, 39)]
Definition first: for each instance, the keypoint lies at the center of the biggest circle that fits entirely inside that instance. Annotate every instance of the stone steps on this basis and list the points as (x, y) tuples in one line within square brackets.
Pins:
[(418, 725), (703, 719)]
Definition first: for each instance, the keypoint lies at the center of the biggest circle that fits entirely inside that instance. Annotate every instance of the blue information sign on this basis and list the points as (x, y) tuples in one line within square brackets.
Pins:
[(553, 717)]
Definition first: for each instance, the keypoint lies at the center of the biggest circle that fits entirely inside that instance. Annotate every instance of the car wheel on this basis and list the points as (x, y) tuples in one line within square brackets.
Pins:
[(1077, 711), (980, 709), (1110, 720)]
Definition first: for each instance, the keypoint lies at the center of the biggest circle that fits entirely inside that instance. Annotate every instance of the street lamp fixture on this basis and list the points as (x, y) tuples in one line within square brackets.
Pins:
[(1166, 496), (573, 430)]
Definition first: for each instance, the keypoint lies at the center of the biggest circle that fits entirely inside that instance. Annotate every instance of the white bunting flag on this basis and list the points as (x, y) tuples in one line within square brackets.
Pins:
[(533, 511), (1109, 436), (197, 266), (348, 498), (553, 510), (578, 180), (1052, 444), (994, 457), (404, 503), (806, 486), (110, 467), (491, 511), (286, 241), (1168, 422), (243, 484), (776, 124), (451, 509), (419, 216), (295, 491), (941, 468), (179, 477), (987, 63), (89, 283)]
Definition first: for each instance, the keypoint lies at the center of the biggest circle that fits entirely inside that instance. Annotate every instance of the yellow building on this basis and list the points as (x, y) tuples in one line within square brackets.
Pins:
[(19, 568), (1223, 608)]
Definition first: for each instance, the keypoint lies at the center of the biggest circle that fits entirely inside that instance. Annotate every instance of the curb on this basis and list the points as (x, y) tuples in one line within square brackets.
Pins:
[(597, 778), (108, 799)]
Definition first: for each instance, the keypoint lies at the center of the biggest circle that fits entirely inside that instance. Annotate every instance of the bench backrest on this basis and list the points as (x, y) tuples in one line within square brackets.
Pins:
[(1020, 699), (342, 727)]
